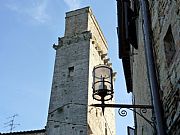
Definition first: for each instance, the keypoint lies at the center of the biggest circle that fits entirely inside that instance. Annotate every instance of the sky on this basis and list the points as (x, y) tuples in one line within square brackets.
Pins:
[(28, 29)]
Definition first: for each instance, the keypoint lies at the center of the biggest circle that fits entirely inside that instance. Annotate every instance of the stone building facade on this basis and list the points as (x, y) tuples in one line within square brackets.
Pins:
[(81, 49), (165, 26)]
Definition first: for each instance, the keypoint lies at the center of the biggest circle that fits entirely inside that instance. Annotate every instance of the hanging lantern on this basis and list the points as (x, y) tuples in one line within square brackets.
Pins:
[(102, 83)]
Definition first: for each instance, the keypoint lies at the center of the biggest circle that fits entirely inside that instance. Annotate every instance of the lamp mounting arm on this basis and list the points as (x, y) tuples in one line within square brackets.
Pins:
[(123, 106), (123, 113)]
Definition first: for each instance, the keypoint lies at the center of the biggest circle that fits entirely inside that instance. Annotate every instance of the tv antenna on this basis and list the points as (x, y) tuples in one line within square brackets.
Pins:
[(11, 123)]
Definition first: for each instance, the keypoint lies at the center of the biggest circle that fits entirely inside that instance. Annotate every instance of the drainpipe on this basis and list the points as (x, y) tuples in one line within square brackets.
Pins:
[(151, 67)]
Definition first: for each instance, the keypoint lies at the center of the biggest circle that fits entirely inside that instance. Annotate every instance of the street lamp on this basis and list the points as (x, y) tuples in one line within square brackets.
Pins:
[(103, 91), (102, 83)]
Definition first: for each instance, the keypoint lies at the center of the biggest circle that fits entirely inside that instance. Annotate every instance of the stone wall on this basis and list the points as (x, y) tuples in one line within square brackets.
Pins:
[(165, 23), (165, 17)]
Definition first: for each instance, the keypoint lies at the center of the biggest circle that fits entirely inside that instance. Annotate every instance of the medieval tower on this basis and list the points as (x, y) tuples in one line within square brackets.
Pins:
[(81, 49)]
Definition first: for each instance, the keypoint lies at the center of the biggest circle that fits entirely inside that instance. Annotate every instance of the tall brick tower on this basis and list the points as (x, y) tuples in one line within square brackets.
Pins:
[(81, 49)]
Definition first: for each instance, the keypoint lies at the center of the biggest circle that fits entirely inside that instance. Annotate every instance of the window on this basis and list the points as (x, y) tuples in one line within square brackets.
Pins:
[(169, 46), (81, 132), (71, 71)]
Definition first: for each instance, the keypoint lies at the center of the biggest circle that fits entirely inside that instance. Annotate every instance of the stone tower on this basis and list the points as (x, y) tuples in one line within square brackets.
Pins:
[(82, 47)]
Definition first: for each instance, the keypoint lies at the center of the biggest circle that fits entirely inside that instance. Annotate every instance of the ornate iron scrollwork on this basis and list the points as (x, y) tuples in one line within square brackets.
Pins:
[(122, 112)]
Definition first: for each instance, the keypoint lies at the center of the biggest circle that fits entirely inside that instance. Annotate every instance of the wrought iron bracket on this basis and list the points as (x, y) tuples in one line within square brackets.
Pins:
[(123, 113)]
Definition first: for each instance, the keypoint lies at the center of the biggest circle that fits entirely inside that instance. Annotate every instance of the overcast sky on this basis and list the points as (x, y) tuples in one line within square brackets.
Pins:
[(28, 29)]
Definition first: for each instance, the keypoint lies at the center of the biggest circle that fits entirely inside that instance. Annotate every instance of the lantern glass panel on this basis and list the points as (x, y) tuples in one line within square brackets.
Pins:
[(102, 85)]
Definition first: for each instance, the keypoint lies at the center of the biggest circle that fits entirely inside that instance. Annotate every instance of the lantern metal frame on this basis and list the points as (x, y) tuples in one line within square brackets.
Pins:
[(102, 93)]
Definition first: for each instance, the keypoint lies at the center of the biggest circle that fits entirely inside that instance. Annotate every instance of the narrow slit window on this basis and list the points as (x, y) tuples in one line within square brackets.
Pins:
[(81, 132), (71, 71)]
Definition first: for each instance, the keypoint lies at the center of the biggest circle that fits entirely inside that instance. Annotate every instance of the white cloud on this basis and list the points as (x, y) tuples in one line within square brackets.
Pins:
[(72, 4), (36, 11), (13, 7)]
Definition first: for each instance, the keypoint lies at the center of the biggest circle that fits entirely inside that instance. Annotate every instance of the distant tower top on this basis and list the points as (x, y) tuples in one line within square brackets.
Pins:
[(77, 21), (82, 20)]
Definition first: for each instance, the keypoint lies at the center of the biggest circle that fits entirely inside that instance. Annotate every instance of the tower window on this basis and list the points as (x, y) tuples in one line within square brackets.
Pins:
[(81, 132), (169, 46), (71, 71)]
